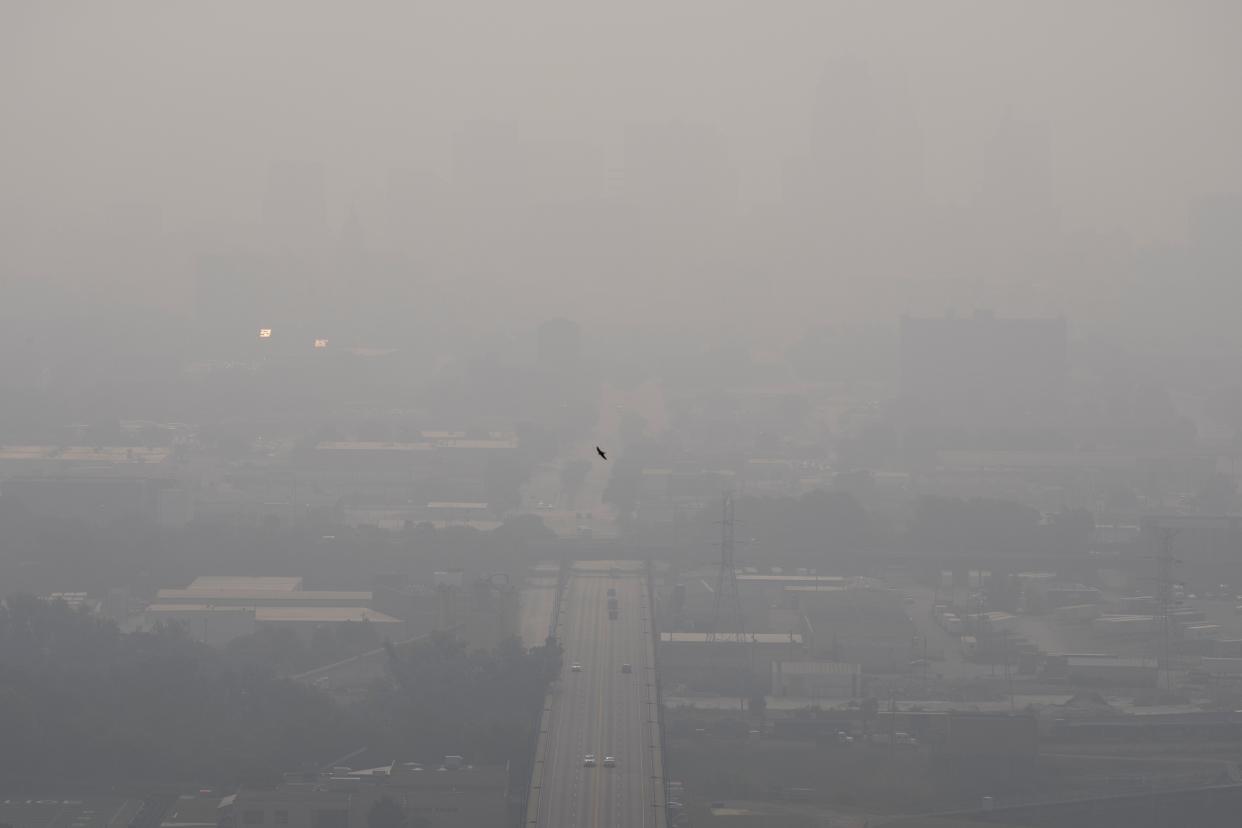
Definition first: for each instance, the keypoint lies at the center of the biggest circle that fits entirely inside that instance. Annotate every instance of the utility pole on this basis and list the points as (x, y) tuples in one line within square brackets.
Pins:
[(1008, 675), (892, 725), (726, 584), (728, 600), (1163, 537)]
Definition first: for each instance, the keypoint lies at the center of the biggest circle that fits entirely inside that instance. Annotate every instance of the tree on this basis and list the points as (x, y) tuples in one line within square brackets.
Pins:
[(386, 813)]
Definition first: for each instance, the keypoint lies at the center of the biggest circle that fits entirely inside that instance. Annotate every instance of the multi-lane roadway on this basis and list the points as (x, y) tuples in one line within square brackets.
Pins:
[(602, 710)]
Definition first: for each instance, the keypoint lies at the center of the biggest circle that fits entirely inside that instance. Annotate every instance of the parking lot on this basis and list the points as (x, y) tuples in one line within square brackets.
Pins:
[(67, 812)]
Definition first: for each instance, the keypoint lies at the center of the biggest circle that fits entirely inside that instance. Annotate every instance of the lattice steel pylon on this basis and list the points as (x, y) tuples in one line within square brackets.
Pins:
[(727, 598)]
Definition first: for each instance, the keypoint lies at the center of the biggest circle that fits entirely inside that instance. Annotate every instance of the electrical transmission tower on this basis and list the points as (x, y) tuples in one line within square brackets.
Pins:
[(1163, 537), (727, 599)]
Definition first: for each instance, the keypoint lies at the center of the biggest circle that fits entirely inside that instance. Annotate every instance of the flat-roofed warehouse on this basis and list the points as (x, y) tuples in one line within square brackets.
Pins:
[(266, 597), (218, 625), (217, 582), (322, 615), (67, 811)]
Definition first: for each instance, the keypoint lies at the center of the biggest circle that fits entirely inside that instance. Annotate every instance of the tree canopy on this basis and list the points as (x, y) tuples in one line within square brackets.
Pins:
[(80, 700)]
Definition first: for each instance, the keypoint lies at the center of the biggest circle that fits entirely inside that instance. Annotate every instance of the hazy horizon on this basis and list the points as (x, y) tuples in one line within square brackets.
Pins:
[(648, 163)]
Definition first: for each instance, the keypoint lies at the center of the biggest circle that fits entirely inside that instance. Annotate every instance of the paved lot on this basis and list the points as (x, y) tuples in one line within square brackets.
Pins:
[(67, 812)]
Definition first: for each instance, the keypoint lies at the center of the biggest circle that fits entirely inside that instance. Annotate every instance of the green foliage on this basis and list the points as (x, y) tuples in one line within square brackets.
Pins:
[(79, 700), (284, 651), (386, 813), (442, 699)]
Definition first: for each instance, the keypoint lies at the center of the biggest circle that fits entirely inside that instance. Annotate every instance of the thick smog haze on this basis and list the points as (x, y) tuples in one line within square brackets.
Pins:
[(847, 157), (691, 414)]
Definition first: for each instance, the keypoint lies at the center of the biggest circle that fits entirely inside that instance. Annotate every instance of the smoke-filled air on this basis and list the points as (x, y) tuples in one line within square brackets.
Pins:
[(697, 414)]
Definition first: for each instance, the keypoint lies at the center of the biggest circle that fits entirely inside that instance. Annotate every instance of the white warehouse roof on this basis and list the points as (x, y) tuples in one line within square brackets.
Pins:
[(230, 583)]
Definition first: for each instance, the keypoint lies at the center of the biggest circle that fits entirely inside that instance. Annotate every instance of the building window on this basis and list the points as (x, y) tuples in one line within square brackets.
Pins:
[(252, 817), (281, 818)]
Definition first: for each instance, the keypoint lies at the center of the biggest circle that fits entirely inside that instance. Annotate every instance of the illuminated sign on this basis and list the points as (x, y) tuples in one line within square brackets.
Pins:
[(321, 343), (265, 333)]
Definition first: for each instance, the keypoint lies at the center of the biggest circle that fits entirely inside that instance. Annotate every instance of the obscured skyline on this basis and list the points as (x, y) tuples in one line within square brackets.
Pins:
[(663, 160)]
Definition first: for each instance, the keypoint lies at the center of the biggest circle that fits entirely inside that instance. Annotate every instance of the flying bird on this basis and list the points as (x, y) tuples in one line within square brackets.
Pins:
[(600, 452)]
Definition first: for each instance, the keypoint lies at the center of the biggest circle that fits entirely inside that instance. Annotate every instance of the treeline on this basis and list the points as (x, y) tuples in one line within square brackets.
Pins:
[(286, 653), (44, 554), (80, 700)]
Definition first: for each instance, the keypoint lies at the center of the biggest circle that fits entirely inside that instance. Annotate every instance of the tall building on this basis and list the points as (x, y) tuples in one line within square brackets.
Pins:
[(855, 191), (491, 166), (679, 174), (565, 172), (982, 372), (560, 344), (1015, 216), (295, 210)]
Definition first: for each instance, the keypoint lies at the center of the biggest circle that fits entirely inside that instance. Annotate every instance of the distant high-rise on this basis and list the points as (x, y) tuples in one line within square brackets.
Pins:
[(295, 207), (983, 372), (856, 188), (678, 172), (566, 172), (490, 164), (560, 344), (1016, 219)]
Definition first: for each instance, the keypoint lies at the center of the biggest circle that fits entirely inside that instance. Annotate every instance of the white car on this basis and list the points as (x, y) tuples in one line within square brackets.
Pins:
[(589, 761), (575, 667), (610, 761)]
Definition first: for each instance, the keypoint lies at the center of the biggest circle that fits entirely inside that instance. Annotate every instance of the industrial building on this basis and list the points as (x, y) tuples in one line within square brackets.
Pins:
[(218, 582), (217, 609), (816, 679), (1043, 595), (966, 380), (1104, 669), (854, 620), (266, 597), (433, 469), (952, 734), (724, 664)]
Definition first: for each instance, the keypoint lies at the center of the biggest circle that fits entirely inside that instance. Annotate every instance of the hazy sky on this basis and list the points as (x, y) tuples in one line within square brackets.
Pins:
[(171, 112)]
